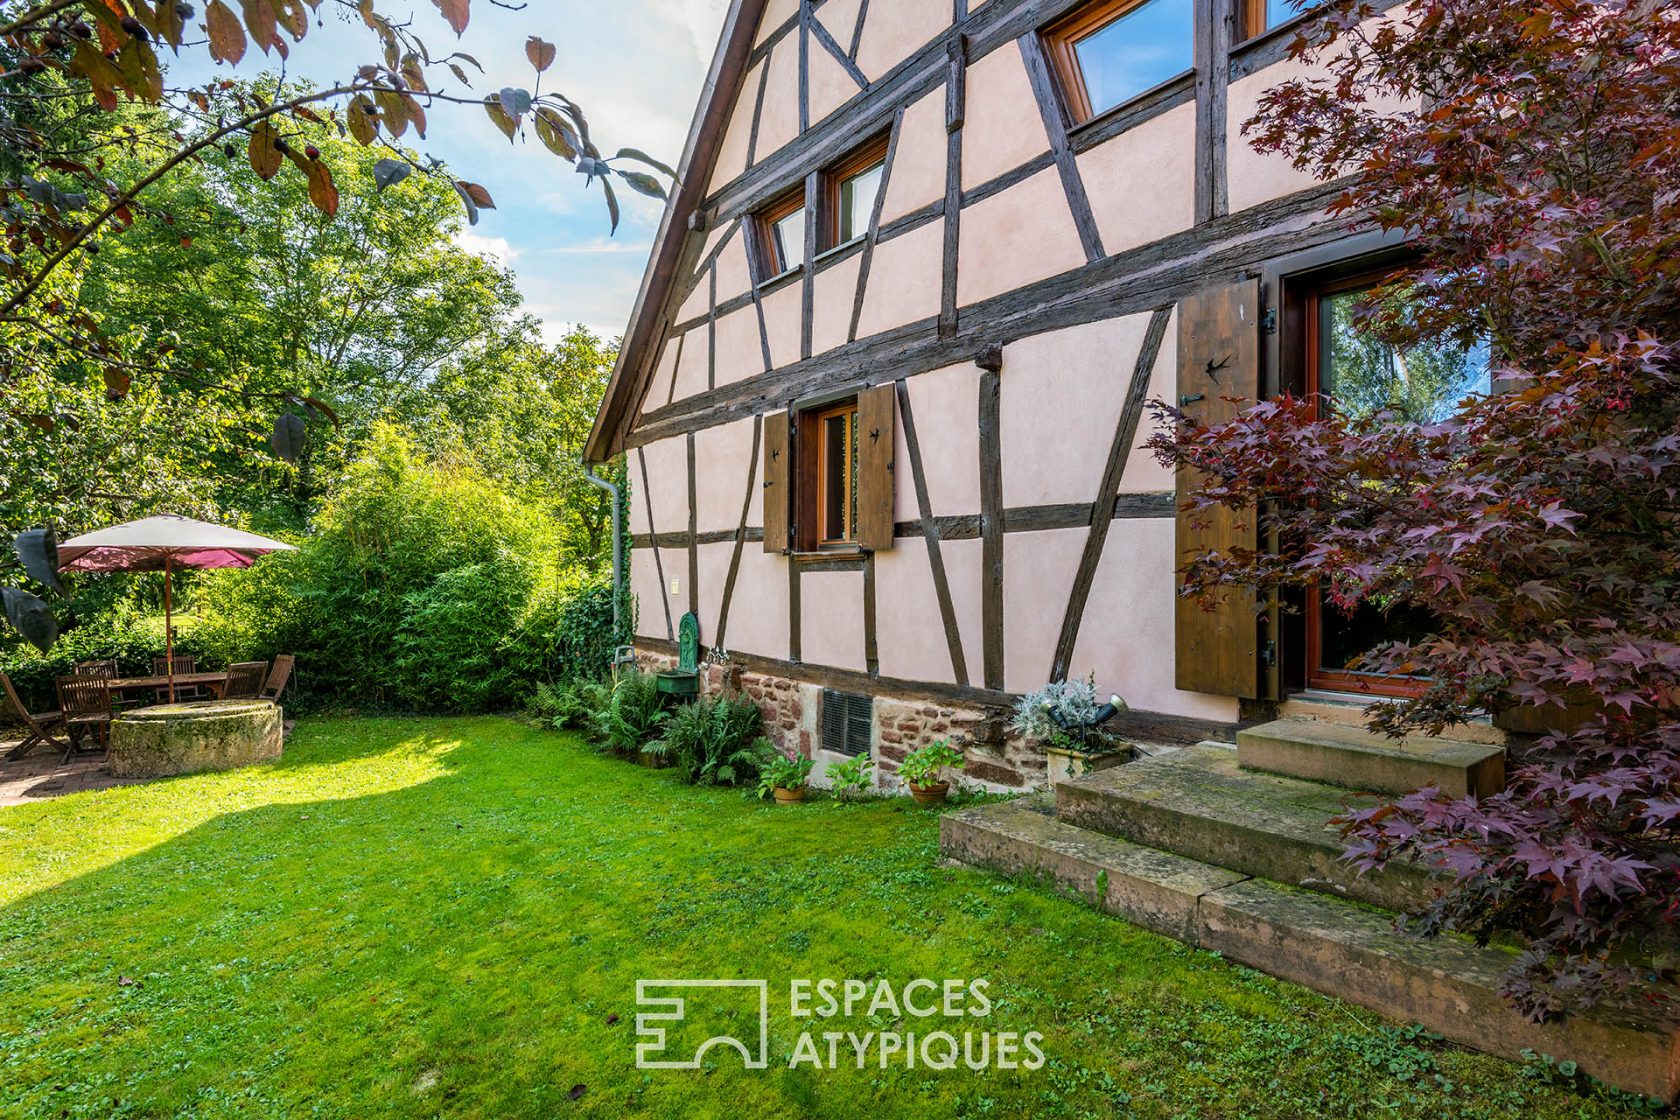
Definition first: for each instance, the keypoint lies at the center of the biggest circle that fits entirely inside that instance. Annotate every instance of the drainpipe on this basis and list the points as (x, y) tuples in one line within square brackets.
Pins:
[(618, 544)]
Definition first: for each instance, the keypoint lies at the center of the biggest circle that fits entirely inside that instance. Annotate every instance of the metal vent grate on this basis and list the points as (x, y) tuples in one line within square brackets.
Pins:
[(845, 722)]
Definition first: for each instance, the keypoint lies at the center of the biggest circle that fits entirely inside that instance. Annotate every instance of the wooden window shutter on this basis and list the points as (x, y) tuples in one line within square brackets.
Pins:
[(778, 493), (877, 418), (1218, 357)]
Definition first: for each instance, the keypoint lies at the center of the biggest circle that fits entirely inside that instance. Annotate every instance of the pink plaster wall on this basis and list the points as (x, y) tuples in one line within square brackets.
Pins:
[(1127, 633), (659, 388), (964, 571), (946, 406), (840, 17), (830, 86), (1017, 237), (1253, 177), (714, 574), (831, 619), (758, 616), (897, 29), (784, 309), (909, 631), (776, 13), (1001, 102), (737, 137), (1143, 474), (698, 303), (644, 587), (1061, 398), (1142, 183), (721, 457), (692, 367), (832, 301), (734, 275), (667, 485), (779, 121), (1038, 571), (739, 353), (904, 280), (918, 174)]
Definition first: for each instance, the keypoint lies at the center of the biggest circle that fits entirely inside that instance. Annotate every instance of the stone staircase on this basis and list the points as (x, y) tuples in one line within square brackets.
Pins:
[(1229, 850)]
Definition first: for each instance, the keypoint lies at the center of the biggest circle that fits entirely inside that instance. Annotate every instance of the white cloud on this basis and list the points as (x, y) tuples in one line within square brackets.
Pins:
[(704, 20), (497, 249)]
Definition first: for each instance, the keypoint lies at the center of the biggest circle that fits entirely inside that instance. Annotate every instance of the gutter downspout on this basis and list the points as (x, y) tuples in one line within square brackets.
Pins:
[(619, 652)]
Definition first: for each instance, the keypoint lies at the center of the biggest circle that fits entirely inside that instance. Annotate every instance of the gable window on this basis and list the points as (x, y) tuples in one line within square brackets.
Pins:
[(1257, 16), (1110, 51), (853, 187), (781, 235)]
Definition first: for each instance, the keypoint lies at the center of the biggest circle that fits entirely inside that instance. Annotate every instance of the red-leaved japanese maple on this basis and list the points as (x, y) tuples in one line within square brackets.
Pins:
[(1537, 172)]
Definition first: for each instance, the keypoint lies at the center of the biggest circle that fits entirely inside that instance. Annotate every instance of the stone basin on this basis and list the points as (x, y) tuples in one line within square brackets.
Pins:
[(174, 739)]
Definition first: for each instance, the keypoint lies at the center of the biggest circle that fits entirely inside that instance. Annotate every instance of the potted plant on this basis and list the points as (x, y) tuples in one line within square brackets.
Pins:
[(921, 771), (786, 778), (1067, 718)]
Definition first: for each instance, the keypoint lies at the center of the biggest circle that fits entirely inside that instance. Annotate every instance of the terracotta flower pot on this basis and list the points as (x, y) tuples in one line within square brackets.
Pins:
[(789, 796), (933, 794)]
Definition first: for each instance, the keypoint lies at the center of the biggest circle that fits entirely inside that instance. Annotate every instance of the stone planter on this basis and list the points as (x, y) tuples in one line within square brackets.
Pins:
[(1062, 764), (185, 738)]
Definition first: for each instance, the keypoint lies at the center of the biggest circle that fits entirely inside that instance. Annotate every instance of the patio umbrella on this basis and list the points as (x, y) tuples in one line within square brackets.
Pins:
[(162, 544)]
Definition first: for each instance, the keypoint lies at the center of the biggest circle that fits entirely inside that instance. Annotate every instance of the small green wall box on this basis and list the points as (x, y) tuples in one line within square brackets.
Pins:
[(684, 680)]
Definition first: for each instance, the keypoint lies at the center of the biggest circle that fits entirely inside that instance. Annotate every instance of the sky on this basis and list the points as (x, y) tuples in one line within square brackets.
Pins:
[(636, 68)]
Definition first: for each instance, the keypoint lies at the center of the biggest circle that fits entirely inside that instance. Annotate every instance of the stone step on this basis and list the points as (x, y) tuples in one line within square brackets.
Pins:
[(1358, 759), (1199, 803), (1337, 947)]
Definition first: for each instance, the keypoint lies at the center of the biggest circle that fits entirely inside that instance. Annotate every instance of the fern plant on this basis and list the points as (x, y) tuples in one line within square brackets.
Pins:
[(631, 715), (716, 741)]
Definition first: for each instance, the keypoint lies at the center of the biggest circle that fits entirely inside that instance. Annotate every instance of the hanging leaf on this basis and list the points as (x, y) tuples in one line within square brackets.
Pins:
[(467, 201), (30, 617), (265, 29), (323, 192), (38, 549), (456, 12), (227, 37), (116, 383), (499, 117), (541, 53), (264, 150), (612, 202), (557, 136), (288, 436), (642, 157), (515, 102), (363, 119), (389, 172), (481, 197), (392, 110), (315, 404)]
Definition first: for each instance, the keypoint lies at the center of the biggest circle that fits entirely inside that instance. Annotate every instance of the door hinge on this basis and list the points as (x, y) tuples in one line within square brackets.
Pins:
[(1268, 653), (1268, 320)]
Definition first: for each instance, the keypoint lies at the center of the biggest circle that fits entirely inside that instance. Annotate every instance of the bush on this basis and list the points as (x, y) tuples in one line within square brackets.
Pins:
[(124, 635), (631, 715), (716, 741), (572, 705)]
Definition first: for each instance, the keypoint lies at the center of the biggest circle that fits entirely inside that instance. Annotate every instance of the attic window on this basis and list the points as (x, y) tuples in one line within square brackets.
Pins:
[(1257, 16), (852, 188), (846, 718), (781, 235), (1109, 51)]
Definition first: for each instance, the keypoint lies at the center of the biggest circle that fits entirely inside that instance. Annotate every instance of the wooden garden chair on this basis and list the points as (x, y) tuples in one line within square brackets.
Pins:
[(40, 725), (184, 666), (104, 670), (278, 678), (245, 680), (85, 702)]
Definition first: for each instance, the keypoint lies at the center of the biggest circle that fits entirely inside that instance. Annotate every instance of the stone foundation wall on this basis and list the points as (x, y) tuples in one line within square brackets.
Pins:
[(993, 758)]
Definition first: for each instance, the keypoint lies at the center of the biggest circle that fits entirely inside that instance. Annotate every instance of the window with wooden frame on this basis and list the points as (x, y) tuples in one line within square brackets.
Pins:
[(850, 191), (1255, 17), (1107, 52), (828, 476), (781, 235), (846, 719)]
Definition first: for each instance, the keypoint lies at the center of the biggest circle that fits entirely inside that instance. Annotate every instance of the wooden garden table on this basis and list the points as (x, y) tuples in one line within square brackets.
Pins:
[(213, 681)]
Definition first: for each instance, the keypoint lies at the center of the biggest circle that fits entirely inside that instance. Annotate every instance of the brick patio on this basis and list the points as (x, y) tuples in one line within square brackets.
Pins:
[(42, 775)]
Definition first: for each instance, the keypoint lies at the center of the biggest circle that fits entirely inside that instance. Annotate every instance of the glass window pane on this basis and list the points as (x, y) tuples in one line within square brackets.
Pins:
[(852, 482), (1423, 384), (834, 478), (857, 202), (790, 241), (1138, 51)]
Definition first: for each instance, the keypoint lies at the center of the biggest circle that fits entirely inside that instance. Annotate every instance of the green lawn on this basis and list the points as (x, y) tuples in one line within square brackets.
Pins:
[(448, 918)]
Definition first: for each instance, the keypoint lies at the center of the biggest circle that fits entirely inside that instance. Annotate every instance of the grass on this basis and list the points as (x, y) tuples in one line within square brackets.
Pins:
[(448, 918)]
